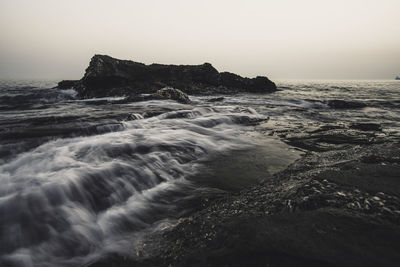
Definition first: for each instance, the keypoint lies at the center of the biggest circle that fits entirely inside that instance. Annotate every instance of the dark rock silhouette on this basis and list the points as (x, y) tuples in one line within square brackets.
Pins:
[(67, 84), (217, 99), (107, 76)]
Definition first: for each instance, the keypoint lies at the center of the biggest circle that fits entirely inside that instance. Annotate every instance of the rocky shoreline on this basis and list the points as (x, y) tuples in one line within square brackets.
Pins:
[(339, 205)]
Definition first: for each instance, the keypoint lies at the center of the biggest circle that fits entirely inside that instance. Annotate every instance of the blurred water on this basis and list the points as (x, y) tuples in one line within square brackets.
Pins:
[(83, 178)]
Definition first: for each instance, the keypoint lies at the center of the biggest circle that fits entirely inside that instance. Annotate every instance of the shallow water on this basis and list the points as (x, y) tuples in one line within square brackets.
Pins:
[(80, 179)]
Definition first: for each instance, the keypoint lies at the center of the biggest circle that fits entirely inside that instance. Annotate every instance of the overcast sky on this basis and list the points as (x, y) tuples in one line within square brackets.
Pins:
[(336, 39)]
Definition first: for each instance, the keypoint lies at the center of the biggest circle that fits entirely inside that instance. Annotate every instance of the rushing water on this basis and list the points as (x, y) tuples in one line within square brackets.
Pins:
[(82, 178)]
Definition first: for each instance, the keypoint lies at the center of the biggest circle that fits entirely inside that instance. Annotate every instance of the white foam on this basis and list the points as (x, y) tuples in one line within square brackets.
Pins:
[(71, 200)]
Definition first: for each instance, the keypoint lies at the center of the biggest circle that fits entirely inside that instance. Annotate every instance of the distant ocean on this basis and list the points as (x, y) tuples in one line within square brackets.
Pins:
[(83, 178)]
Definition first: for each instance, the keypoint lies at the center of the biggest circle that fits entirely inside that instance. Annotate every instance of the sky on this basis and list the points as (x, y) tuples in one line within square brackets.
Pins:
[(285, 39)]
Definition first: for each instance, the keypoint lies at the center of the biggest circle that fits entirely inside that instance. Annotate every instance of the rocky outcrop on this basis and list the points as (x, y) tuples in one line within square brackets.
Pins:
[(162, 94), (107, 76), (173, 94), (68, 84)]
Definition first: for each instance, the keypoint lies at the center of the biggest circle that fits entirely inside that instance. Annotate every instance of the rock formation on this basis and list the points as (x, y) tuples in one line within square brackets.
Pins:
[(167, 93), (171, 93), (67, 84), (107, 76)]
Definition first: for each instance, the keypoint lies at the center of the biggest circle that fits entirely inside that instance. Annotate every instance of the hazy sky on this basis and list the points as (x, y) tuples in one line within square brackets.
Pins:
[(281, 39)]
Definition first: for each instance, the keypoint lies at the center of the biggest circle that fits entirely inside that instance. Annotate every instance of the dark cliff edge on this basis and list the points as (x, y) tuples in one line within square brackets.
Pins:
[(107, 76)]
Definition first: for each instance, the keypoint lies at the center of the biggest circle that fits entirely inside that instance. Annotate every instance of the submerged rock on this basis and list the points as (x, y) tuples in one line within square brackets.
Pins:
[(343, 104), (217, 99), (167, 93), (171, 93), (107, 76), (366, 126)]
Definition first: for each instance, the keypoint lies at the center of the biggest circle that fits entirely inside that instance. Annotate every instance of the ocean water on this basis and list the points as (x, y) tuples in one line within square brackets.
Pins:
[(83, 178)]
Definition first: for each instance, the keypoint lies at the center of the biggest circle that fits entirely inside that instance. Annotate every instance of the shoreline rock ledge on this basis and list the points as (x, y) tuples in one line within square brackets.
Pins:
[(107, 76)]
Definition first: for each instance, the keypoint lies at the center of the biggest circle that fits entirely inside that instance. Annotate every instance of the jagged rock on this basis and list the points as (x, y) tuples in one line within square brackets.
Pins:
[(67, 84), (171, 93), (107, 76)]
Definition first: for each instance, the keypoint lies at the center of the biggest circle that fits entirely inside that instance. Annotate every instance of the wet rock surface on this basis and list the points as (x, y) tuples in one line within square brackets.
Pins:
[(339, 205), (216, 99), (162, 94), (171, 93), (333, 136), (68, 84)]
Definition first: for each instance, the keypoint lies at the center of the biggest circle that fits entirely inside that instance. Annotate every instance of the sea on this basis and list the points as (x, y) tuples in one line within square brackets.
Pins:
[(81, 179)]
